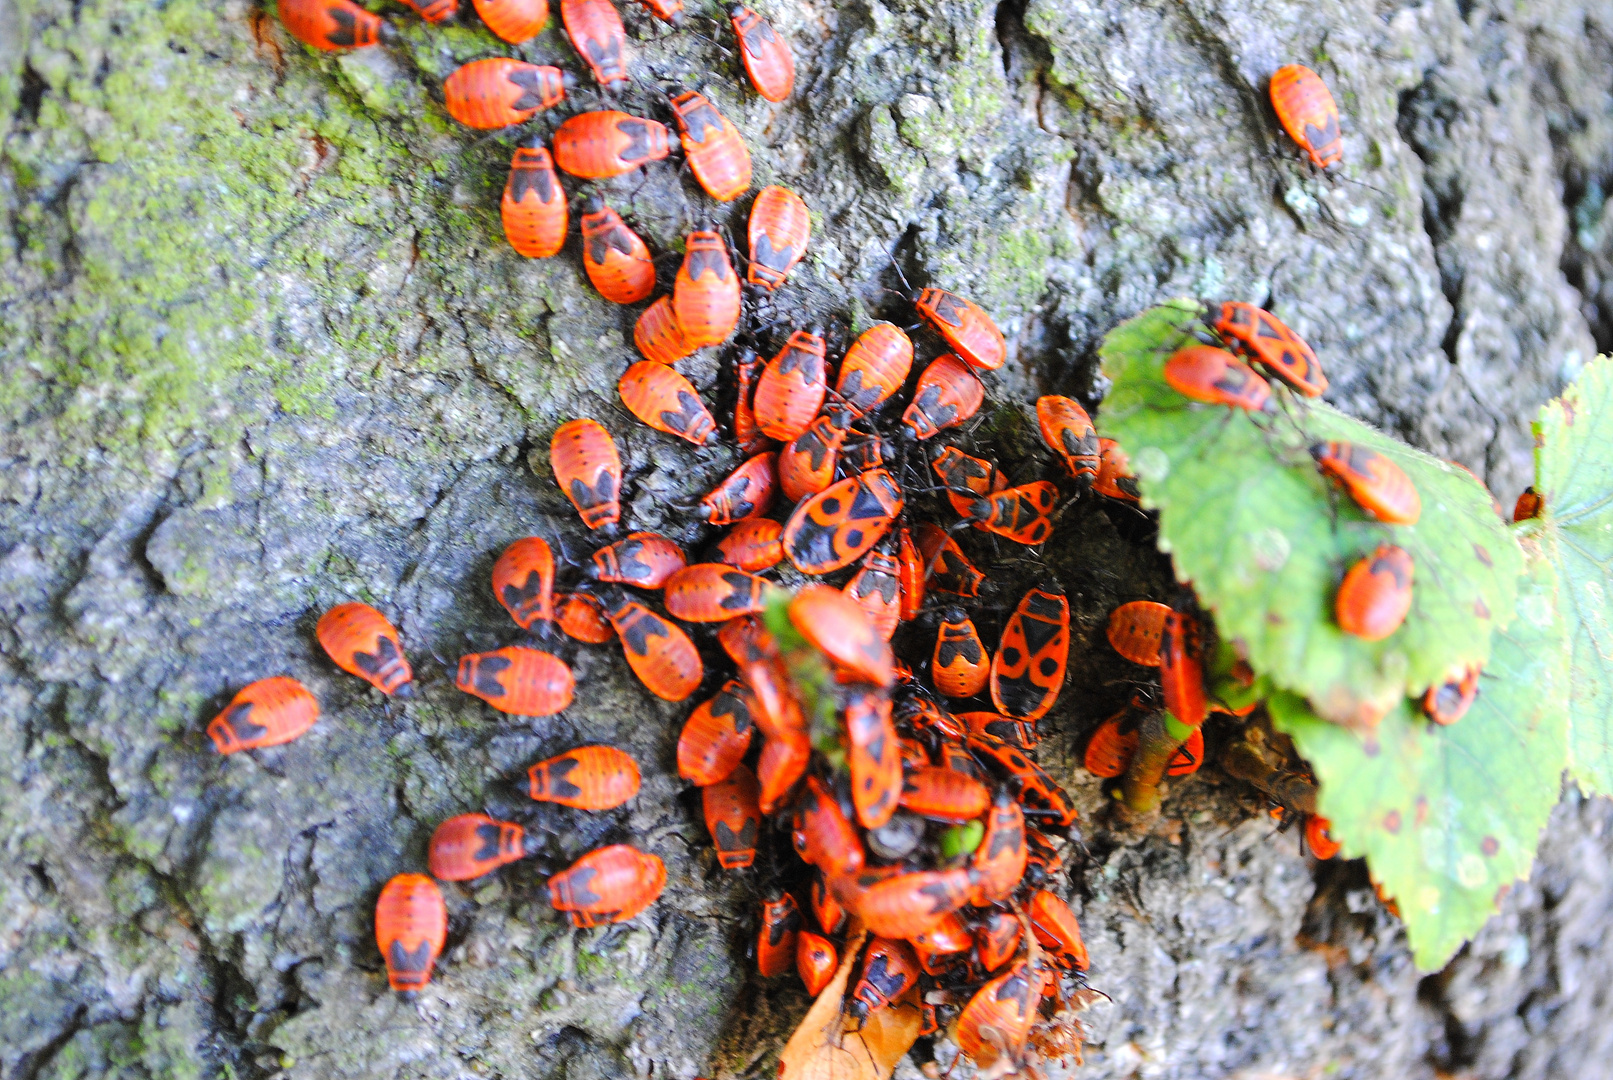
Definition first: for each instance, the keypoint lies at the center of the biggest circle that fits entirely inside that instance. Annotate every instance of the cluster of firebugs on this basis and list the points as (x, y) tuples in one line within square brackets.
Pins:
[(939, 830)]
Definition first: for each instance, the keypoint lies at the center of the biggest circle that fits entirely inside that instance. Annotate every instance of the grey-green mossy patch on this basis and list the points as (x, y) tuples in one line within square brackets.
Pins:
[(1264, 538)]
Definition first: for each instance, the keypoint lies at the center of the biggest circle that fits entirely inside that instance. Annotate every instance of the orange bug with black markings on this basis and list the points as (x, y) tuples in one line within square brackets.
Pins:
[(904, 905), (616, 260), (733, 812), (1020, 733), (658, 651), (997, 937), (515, 21), (666, 401), (666, 10), (1448, 701), (942, 794), (1306, 110), (705, 295), (1022, 514), (606, 143), (1319, 840), (1112, 746), (714, 592), (873, 757), (1181, 669), (609, 885), (939, 948), (1056, 930), (1135, 628), (1068, 432), (334, 24), (965, 477), (889, 970), (775, 941), (470, 845), (717, 735), (1263, 338), (994, 1027), (783, 761), (830, 912), (268, 712), (589, 470), (745, 493), (361, 642), (1375, 596), (533, 210), (1031, 785), (587, 778), (713, 147), (815, 961), (792, 386), (753, 544), (1188, 757), (947, 394), (499, 92), (876, 588), (875, 367), (823, 835), (999, 861), (835, 527), (779, 229), (1114, 479), (959, 666), (582, 619), (766, 55), (1529, 505), (523, 581), (833, 623), (944, 565), (1379, 486), (747, 371), (965, 326), (1213, 376), (643, 560), (807, 465), (411, 927), (919, 711), (596, 32), (913, 574), (517, 680), (434, 11), (657, 335)]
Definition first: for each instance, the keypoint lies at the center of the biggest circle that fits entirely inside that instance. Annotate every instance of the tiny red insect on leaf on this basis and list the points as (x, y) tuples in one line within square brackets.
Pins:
[(947, 394), (517, 680), (745, 493), (411, 927), (714, 592), (713, 147), (1448, 701), (775, 941), (515, 21), (1529, 505), (705, 295), (265, 713), (1264, 339), (1306, 110), (606, 143), (534, 210), (616, 259), (666, 401), (498, 93), (1068, 432), (779, 229), (597, 33), (1376, 594), (609, 885), (966, 328), (523, 581), (766, 55), (588, 778), (588, 470), (362, 642), (333, 24), (835, 527), (643, 560), (470, 845), (1216, 377), (716, 735), (733, 814), (1378, 485), (753, 544)]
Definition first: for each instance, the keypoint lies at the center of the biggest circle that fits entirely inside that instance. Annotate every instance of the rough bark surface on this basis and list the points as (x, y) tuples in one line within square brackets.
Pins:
[(263, 349)]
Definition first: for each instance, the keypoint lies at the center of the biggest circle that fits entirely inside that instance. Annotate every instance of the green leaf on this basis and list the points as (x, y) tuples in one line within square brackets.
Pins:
[(1265, 538), (1449, 817), (1574, 475)]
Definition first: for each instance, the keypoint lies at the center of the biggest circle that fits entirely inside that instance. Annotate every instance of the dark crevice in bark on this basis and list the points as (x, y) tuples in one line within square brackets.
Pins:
[(1426, 115)]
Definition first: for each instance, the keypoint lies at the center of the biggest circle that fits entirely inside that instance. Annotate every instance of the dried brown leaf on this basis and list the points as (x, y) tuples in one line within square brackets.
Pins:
[(827, 1047)]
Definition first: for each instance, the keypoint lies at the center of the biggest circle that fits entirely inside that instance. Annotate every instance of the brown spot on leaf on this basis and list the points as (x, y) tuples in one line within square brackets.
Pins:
[(1422, 809), (1273, 618), (1483, 555), (1479, 609), (1391, 821), (1568, 411), (1371, 748), (1490, 845)]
